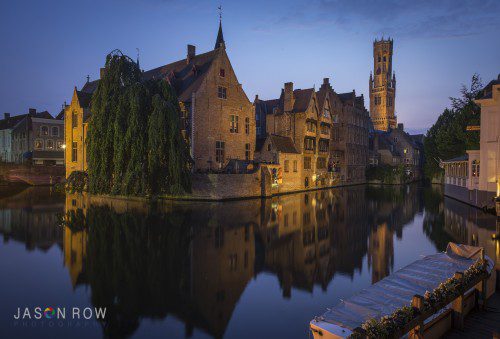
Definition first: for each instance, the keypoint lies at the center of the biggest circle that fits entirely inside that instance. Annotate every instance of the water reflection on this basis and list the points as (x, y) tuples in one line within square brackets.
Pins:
[(195, 260)]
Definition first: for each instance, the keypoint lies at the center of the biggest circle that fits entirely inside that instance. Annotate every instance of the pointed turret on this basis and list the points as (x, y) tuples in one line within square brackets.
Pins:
[(220, 38)]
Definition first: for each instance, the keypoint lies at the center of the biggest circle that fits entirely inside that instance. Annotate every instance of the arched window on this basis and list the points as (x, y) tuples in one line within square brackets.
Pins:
[(49, 144), (44, 130), (55, 131)]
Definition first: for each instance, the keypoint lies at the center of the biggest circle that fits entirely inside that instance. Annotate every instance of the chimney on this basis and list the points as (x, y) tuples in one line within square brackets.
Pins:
[(401, 126), (256, 97), (32, 111), (6, 116), (191, 53), (326, 81), (288, 97), (102, 72)]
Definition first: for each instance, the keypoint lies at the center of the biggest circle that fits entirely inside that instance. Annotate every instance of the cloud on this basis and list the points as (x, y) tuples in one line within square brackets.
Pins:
[(424, 18)]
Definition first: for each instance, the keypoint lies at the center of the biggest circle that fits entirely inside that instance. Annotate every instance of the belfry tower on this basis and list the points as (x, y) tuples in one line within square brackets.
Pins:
[(382, 87)]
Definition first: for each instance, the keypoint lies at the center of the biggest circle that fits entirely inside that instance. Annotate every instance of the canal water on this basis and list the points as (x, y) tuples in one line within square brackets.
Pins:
[(239, 269)]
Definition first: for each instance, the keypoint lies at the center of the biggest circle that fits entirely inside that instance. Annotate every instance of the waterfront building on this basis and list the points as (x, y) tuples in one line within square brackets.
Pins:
[(474, 177), (351, 139), (382, 87), (38, 138), (330, 130), (395, 147), (217, 121), (7, 124)]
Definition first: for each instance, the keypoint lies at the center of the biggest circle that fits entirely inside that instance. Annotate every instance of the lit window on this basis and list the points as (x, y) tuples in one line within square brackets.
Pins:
[(38, 144), (49, 144), (44, 130)]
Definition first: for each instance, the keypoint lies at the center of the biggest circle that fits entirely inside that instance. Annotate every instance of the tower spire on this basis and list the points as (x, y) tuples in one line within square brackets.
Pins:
[(220, 37)]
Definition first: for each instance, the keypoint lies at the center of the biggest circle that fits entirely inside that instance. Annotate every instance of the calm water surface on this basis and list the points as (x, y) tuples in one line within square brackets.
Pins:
[(247, 269)]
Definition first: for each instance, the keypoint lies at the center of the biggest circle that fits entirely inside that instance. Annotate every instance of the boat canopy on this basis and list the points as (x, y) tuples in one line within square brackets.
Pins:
[(397, 290)]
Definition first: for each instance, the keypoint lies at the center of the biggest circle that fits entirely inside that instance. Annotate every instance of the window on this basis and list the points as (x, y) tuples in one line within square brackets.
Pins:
[(38, 144), (311, 126), (74, 151), (309, 144), (385, 59), (475, 168), (323, 145), (321, 163), (326, 111), (222, 72), (55, 131), (247, 151), (222, 92), (49, 144), (74, 119), (59, 144), (219, 151), (325, 129), (295, 165), (287, 167), (269, 147), (389, 101), (379, 58), (44, 130), (233, 123), (258, 130), (307, 163), (247, 125)]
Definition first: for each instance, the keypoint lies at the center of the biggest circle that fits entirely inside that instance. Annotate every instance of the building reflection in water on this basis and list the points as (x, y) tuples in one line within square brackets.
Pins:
[(194, 260)]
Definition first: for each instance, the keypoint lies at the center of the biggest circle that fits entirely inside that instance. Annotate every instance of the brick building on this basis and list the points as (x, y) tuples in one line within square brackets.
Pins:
[(7, 124), (218, 120)]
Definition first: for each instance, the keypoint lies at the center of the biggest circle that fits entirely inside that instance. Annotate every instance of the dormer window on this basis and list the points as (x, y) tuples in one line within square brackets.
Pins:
[(222, 72)]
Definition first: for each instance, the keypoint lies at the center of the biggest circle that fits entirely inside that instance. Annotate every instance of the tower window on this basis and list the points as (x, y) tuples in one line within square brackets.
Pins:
[(378, 70), (379, 58), (385, 59)]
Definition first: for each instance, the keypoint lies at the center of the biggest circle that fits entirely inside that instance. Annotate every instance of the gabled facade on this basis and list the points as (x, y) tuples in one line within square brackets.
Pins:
[(7, 124), (217, 119)]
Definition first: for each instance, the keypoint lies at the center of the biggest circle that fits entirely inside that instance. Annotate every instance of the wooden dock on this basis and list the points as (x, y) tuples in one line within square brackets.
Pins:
[(479, 323)]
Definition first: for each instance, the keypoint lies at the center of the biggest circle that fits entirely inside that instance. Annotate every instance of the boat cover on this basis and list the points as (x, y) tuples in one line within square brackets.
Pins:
[(397, 290)]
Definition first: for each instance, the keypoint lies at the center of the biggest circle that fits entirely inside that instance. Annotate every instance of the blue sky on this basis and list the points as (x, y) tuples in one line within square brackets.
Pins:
[(48, 47)]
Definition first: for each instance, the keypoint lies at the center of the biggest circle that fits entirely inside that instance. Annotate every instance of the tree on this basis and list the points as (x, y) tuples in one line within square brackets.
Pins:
[(135, 146), (448, 137)]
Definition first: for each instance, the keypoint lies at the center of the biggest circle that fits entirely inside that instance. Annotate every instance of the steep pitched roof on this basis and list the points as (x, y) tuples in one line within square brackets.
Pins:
[(302, 99), (283, 144), (11, 121), (267, 106), (84, 98), (346, 96), (184, 77)]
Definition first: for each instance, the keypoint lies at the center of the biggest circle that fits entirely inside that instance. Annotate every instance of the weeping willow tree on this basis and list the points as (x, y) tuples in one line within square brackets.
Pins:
[(135, 145)]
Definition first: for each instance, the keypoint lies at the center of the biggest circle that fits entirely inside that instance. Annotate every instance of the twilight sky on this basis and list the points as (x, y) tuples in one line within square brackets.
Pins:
[(47, 47)]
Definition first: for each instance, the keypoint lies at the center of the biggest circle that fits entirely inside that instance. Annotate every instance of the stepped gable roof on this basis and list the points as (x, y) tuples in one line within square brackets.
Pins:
[(346, 96), (184, 77), (11, 121), (283, 144), (487, 91)]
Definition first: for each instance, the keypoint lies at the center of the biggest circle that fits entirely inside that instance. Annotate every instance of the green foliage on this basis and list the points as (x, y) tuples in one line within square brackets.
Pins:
[(387, 174), (448, 137), (77, 182), (135, 146)]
